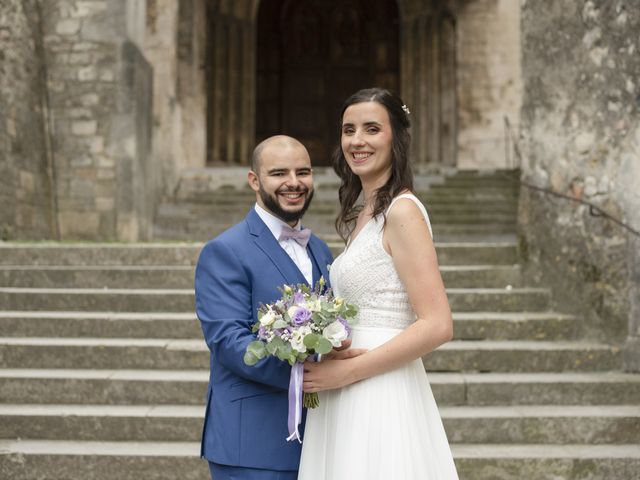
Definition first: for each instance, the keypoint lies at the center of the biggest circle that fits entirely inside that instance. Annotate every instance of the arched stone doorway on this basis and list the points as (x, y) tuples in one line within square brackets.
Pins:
[(311, 56)]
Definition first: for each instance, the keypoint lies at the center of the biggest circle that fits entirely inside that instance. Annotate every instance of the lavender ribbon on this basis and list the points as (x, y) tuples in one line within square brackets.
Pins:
[(295, 401)]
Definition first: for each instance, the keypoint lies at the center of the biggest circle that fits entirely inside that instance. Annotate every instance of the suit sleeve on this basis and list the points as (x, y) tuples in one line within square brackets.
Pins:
[(224, 308)]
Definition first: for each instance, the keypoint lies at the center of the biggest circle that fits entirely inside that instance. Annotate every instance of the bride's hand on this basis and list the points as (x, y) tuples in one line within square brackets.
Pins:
[(330, 373), (343, 346), (340, 353)]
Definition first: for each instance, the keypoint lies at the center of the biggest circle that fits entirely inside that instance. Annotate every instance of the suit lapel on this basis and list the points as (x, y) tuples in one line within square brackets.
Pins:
[(266, 242), (314, 247)]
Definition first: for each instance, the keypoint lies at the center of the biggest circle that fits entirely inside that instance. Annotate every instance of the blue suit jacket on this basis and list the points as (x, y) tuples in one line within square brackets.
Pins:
[(246, 415)]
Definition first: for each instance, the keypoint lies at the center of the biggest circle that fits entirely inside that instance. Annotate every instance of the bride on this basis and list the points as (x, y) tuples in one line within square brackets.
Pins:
[(377, 417)]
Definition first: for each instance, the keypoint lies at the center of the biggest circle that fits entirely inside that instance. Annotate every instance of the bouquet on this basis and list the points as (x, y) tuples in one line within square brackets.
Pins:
[(303, 323)]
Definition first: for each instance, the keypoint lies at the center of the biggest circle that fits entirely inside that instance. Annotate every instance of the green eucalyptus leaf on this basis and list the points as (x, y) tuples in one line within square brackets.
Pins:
[(250, 359), (255, 352), (323, 346), (310, 340), (279, 324)]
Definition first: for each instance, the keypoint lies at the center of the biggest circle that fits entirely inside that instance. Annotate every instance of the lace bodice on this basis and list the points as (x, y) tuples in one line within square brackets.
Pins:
[(364, 274)]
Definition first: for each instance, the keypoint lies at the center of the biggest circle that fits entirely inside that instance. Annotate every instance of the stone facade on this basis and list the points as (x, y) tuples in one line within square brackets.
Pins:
[(119, 97), (106, 104), (25, 161), (581, 137)]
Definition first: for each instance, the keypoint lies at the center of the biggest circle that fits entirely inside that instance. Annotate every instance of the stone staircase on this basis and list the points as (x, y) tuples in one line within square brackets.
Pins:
[(103, 370), (465, 206)]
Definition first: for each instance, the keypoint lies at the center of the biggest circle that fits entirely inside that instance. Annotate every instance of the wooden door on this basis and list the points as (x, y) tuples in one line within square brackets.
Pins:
[(313, 54)]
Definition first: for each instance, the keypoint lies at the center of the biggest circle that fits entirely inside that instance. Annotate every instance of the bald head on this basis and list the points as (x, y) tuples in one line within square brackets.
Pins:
[(275, 142)]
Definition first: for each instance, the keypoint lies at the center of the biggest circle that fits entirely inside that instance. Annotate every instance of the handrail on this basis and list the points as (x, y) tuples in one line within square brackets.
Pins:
[(594, 210)]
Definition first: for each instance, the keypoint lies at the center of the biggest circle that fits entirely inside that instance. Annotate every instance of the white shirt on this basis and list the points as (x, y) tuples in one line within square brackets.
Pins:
[(297, 252)]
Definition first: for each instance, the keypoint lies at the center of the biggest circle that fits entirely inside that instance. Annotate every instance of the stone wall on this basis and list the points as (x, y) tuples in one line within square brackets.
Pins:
[(99, 88), (489, 81), (581, 137), (25, 194)]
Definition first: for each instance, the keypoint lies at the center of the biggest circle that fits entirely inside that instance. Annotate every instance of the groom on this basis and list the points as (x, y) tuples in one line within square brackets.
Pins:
[(245, 426)]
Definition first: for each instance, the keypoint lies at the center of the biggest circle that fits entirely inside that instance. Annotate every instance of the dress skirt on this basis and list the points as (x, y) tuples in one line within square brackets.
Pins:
[(385, 427)]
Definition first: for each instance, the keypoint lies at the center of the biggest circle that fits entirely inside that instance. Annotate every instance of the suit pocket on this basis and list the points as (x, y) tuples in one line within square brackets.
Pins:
[(242, 390)]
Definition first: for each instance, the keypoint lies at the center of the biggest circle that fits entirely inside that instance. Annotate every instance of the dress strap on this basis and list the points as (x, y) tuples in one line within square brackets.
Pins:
[(417, 201)]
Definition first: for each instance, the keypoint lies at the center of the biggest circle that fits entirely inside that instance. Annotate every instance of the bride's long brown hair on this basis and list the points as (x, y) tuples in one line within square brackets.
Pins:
[(401, 178)]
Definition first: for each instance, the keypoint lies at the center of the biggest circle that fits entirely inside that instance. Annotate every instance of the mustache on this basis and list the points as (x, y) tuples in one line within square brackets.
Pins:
[(294, 190)]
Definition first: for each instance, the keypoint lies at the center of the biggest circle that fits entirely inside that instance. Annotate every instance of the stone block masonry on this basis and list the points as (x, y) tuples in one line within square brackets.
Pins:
[(97, 90), (101, 84), (24, 183), (581, 136)]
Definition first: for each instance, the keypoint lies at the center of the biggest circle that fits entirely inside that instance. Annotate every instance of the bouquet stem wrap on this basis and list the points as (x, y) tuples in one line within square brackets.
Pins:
[(295, 401)]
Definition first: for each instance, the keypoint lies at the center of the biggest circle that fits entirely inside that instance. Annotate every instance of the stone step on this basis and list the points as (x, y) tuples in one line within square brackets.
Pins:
[(442, 232), (475, 276), (119, 276), (190, 220), (156, 353), (522, 356), (183, 300), (546, 462), (183, 423), (30, 276), (467, 326), (188, 387), (543, 424), (99, 254), (433, 203), (69, 460), (73, 460), (186, 254), (514, 326), (229, 208)]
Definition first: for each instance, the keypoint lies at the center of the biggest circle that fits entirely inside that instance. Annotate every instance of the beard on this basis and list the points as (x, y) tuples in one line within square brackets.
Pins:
[(271, 202)]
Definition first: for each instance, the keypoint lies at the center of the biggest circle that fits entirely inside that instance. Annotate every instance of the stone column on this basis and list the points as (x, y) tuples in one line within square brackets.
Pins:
[(99, 85), (428, 83)]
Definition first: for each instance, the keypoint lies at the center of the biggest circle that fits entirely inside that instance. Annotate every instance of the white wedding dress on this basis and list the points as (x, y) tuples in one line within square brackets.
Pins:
[(386, 427)]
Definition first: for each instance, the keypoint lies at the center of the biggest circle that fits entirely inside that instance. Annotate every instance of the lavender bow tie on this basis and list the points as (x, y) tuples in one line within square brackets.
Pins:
[(300, 236)]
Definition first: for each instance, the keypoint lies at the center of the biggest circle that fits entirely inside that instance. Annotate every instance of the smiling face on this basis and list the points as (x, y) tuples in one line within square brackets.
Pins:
[(366, 141), (284, 182)]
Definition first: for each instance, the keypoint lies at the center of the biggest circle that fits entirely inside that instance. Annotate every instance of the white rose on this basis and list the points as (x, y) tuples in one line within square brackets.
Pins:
[(297, 339), (268, 318), (335, 333), (292, 311)]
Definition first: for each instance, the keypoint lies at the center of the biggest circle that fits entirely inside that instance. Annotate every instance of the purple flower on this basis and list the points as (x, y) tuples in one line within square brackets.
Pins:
[(262, 333), (301, 316), (346, 325), (298, 297)]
